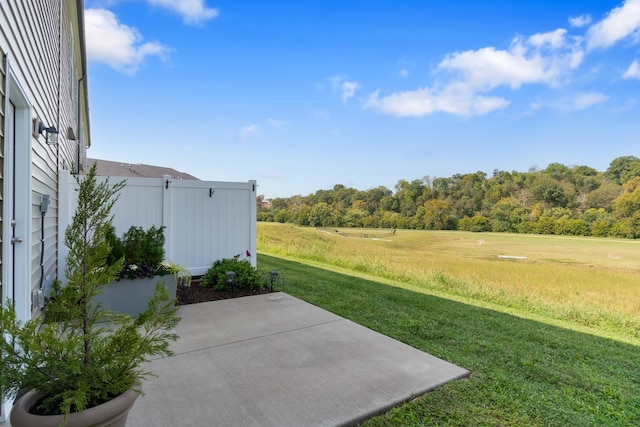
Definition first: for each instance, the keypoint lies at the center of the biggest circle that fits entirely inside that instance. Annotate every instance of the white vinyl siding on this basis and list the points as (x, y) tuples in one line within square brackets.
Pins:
[(40, 38), (4, 105)]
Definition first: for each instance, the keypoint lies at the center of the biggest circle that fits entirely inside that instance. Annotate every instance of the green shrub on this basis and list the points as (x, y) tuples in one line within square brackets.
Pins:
[(146, 247), (600, 228), (246, 277), (476, 224), (142, 251)]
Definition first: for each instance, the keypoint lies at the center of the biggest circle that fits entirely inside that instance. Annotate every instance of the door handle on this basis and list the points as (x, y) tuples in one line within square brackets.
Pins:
[(16, 240)]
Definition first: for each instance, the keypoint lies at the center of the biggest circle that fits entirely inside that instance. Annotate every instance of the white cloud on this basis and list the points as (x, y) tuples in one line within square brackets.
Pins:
[(465, 77), (553, 39), (488, 68), (633, 72), (348, 90), (580, 21), (276, 123), (404, 73), (192, 11), (542, 58), (454, 100), (579, 101), (533, 107), (620, 23), (247, 131), (586, 100), (116, 44)]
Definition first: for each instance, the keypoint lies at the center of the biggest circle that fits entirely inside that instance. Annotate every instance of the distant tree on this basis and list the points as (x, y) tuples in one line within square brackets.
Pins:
[(507, 215), (585, 171), (467, 193), (374, 197), (354, 217), (585, 179), (326, 196), (558, 199), (265, 216), (437, 215), (628, 228), (281, 216), (558, 171), (494, 193), (559, 213), (603, 196), (389, 203), (343, 197), (390, 219), (628, 203), (279, 203), (599, 221), (443, 185), (622, 169), (409, 195), (300, 215), (592, 215), (320, 215), (550, 191)]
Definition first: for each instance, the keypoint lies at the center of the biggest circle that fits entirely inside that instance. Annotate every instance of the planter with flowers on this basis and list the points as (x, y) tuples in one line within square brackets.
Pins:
[(144, 266)]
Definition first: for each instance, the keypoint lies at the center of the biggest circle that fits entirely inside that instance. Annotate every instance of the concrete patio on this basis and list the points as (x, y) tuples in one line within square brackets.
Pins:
[(274, 360)]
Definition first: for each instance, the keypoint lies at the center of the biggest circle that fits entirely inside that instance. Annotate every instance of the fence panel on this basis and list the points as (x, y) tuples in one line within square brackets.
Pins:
[(205, 220)]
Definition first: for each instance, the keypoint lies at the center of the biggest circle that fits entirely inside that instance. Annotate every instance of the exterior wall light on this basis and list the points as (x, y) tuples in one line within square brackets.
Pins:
[(51, 135)]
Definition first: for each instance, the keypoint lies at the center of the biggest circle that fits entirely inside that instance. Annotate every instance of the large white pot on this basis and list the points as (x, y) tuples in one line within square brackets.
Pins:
[(131, 296)]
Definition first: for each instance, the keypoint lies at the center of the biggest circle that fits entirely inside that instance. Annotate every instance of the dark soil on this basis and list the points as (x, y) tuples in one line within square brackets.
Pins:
[(196, 293)]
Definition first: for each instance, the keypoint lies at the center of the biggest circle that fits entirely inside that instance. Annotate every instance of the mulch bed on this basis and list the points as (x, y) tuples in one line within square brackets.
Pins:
[(197, 294)]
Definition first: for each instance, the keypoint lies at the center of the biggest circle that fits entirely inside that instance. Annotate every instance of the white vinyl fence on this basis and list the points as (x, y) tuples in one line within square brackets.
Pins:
[(205, 220)]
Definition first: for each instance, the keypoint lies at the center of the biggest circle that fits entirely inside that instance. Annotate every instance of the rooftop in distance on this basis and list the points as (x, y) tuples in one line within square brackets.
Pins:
[(110, 168)]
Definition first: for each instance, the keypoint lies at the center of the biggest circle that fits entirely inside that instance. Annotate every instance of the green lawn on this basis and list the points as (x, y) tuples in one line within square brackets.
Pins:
[(524, 372)]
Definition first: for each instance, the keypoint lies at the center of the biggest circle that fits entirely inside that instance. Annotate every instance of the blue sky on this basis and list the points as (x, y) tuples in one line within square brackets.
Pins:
[(303, 95)]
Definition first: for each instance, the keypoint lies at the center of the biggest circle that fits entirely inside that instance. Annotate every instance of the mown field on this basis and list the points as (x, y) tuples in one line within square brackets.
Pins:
[(584, 282)]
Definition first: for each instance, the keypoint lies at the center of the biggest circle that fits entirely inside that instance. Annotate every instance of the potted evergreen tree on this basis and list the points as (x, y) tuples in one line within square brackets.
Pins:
[(79, 361)]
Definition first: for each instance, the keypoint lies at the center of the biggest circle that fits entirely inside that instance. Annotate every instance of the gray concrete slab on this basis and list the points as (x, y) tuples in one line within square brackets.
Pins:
[(274, 360)]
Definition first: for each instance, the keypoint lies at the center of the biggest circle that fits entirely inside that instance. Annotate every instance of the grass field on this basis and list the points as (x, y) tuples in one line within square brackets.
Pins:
[(523, 372), (585, 282)]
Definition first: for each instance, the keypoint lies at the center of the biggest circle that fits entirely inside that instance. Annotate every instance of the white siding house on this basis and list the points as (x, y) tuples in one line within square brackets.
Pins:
[(42, 80)]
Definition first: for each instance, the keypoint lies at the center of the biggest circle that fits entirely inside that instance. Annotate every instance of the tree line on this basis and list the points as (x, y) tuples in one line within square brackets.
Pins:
[(566, 200)]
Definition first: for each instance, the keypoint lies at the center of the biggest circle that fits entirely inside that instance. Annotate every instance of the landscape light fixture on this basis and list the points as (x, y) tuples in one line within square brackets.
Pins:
[(51, 135), (230, 276), (273, 277)]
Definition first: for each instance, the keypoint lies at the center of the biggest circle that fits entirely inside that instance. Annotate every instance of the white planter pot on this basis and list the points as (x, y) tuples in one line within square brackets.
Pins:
[(131, 296)]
